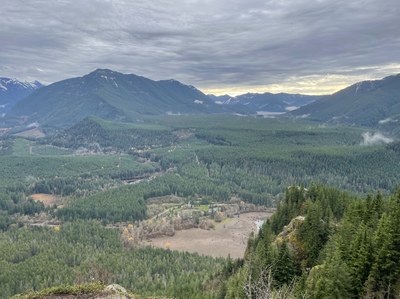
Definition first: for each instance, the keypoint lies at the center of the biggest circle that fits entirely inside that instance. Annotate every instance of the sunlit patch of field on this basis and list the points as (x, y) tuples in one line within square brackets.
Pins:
[(46, 199)]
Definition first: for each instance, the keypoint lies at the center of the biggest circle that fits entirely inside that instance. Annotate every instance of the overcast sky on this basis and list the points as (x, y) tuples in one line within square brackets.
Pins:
[(220, 46)]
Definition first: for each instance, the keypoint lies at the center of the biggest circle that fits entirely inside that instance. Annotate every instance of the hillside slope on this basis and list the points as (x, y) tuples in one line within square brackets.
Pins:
[(367, 103), (109, 95)]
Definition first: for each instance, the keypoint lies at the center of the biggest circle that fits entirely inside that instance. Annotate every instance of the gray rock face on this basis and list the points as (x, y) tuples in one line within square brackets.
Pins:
[(114, 291)]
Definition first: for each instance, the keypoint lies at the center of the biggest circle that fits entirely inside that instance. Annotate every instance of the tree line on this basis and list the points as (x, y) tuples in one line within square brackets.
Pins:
[(35, 258), (324, 243)]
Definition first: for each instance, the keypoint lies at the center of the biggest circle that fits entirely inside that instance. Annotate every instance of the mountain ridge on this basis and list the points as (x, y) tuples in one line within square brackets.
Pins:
[(13, 90), (109, 95), (366, 103), (265, 102), (125, 97)]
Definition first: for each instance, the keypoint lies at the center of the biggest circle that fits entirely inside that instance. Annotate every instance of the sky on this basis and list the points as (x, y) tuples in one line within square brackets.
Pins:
[(219, 46)]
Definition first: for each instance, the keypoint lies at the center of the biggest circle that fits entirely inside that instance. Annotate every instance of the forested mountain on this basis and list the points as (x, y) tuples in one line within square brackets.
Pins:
[(116, 96), (323, 243), (109, 95), (265, 102), (367, 103), (12, 91)]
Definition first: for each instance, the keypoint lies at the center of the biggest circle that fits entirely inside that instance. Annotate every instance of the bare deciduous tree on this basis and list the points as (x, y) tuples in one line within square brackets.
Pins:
[(263, 288)]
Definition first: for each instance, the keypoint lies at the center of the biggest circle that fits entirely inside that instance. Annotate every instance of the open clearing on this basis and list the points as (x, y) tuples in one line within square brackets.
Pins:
[(33, 133), (46, 199), (228, 238)]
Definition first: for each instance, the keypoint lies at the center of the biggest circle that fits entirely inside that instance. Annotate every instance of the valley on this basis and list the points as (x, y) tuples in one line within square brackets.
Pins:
[(227, 238), (200, 149), (172, 205)]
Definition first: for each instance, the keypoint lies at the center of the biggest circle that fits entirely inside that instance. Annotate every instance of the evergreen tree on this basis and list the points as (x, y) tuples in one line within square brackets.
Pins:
[(329, 280), (360, 260), (385, 273), (313, 232), (284, 268)]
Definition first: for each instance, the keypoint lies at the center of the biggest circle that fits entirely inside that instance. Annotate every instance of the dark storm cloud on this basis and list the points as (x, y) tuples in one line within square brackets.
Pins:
[(210, 44)]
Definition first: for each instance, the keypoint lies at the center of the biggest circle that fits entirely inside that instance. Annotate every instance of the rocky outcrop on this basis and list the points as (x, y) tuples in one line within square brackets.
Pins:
[(289, 234), (113, 291)]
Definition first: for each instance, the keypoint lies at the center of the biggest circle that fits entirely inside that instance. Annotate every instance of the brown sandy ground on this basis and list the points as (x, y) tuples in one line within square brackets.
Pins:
[(46, 199), (228, 238)]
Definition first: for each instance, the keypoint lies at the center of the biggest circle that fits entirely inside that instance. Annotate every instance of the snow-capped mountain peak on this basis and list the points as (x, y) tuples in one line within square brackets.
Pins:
[(6, 83), (13, 90)]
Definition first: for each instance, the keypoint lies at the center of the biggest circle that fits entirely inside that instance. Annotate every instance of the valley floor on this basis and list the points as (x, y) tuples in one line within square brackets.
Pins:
[(228, 238)]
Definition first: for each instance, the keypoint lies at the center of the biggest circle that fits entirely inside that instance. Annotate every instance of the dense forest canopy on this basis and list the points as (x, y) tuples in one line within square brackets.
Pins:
[(335, 230)]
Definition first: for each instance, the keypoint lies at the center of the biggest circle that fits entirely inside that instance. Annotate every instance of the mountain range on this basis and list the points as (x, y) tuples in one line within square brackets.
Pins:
[(125, 97), (109, 95), (13, 90), (367, 103), (265, 102)]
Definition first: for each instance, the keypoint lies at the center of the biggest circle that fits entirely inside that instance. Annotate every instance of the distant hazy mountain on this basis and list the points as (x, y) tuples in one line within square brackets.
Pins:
[(265, 102), (367, 103), (109, 95), (12, 90)]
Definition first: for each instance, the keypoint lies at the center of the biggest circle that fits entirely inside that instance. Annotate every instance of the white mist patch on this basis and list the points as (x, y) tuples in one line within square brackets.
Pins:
[(269, 113), (2, 115), (387, 120), (292, 108), (172, 113), (198, 102), (303, 116), (375, 138), (32, 125)]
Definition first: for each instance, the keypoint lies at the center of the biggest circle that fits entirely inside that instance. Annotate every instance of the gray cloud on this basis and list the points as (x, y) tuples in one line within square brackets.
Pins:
[(210, 44)]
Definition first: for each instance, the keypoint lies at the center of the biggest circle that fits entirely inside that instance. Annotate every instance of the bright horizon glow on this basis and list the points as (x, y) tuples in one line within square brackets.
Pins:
[(278, 88), (311, 85)]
